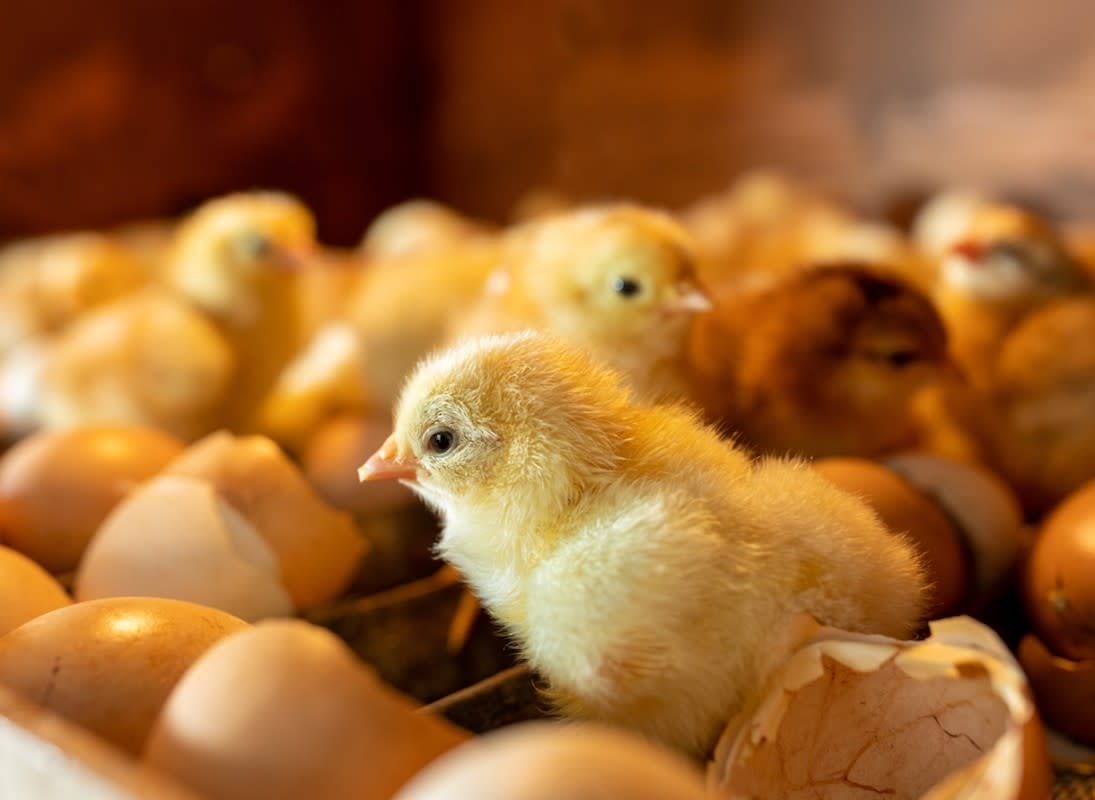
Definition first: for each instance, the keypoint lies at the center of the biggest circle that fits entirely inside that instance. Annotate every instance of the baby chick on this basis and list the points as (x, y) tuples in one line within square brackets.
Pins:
[(618, 280), (48, 282), (1034, 416), (1006, 262), (640, 562), (202, 351), (417, 226), (399, 311), (825, 362)]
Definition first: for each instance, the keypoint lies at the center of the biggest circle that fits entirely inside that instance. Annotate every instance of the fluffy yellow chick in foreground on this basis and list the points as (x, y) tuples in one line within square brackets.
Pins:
[(640, 562)]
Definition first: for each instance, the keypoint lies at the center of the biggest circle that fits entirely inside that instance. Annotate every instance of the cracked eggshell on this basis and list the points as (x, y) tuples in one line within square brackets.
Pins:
[(286, 710), (56, 487), (109, 665), (982, 507), (550, 761), (850, 715), (26, 590), (904, 509), (176, 537), (319, 549), (1059, 588)]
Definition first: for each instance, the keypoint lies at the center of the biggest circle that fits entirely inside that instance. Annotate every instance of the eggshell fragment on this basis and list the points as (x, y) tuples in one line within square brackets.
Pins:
[(286, 710), (906, 510), (334, 453), (1060, 583), (176, 537), (109, 665), (318, 548), (56, 487), (1064, 689), (854, 716), (26, 590), (544, 761), (982, 507)]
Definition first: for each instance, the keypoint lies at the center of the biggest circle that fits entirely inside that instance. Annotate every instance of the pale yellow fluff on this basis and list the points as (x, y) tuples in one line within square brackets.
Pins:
[(642, 564)]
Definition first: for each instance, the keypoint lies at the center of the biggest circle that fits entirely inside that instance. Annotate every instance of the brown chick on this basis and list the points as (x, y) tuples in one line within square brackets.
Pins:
[(1034, 416), (618, 280), (202, 351), (640, 562), (1005, 263), (824, 363)]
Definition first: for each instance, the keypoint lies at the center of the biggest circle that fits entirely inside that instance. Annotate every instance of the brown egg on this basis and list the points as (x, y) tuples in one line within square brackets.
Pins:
[(334, 453), (545, 761), (176, 537), (1064, 689), (109, 665), (26, 590), (849, 715), (318, 548), (983, 509), (56, 487), (286, 710), (1060, 580), (904, 509)]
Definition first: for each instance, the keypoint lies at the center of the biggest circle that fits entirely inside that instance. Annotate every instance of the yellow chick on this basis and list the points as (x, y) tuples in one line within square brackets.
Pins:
[(417, 226), (202, 351), (1005, 263), (48, 282), (399, 310), (45, 285), (1034, 415), (765, 226), (618, 280), (825, 362), (640, 562)]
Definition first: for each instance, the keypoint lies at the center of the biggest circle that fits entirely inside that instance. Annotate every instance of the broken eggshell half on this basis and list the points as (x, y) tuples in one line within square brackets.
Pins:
[(851, 715)]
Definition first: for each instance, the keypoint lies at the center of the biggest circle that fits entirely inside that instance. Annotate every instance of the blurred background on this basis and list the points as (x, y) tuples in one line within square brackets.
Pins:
[(127, 109)]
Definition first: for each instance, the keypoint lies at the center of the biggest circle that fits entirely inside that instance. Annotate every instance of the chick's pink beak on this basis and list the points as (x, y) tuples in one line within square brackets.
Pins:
[(689, 300), (969, 250), (294, 259), (385, 464)]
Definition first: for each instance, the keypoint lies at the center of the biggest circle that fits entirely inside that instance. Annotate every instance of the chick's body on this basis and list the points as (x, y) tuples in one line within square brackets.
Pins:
[(825, 362), (641, 563), (201, 351)]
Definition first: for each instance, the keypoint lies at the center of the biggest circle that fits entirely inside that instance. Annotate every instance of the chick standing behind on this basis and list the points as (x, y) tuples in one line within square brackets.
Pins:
[(642, 564)]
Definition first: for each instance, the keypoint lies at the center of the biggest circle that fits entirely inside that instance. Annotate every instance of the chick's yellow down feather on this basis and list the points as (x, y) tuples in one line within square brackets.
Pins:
[(640, 562), (203, 350), (619, 280)]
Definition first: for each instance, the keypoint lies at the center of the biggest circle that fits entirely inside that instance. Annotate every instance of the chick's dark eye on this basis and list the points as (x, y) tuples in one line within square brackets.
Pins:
[(256, 245), (899, 358), (626, 287), (441, 441)]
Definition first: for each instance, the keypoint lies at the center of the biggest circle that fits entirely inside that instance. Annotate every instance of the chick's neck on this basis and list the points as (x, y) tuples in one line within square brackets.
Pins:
[(499, 537)]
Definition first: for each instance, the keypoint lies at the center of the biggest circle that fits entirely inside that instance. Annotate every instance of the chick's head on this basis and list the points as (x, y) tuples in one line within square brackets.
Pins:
[(232, 249), (845, 345), (1006, 254), (516, 423), (613, 276)]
